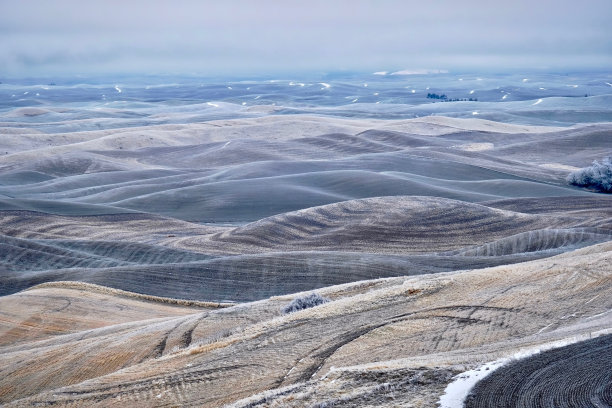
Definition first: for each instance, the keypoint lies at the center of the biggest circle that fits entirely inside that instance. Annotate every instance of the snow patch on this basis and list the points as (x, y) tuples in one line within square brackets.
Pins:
[(420, 72), (475, 147), (558, 166), (456, 391), (598, 315), (544, 328), (596, 296)]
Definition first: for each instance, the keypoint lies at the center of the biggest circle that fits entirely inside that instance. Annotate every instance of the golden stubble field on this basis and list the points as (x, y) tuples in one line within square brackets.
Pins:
[(71, 344)]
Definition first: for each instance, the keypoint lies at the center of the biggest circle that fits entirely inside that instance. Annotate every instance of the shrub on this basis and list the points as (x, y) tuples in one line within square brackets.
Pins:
[(305, 302), (598, 176)]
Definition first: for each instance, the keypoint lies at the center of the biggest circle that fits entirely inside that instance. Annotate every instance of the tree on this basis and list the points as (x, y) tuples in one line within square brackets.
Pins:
[(305, 302), (598, 176)]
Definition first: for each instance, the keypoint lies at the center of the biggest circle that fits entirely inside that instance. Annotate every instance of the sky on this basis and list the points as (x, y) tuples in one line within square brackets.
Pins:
[(258, 37)]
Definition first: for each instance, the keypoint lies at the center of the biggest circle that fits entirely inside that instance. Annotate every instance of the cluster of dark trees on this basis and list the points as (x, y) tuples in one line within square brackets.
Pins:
[(444, 98), (436, 96), (462, 99)]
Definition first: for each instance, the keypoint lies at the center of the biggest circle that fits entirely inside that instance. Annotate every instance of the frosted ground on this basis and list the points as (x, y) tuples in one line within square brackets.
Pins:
[(534, 99), (153, 229)]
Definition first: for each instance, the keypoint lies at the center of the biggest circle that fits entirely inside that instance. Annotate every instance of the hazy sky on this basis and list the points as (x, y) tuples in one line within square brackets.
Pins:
[(242, 37)]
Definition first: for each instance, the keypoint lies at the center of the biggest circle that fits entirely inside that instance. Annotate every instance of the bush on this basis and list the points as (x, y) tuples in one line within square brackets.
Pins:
[(598, 176), (305, 302)]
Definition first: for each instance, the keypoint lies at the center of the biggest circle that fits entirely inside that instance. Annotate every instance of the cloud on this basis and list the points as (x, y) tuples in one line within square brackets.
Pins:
[(269, 36)]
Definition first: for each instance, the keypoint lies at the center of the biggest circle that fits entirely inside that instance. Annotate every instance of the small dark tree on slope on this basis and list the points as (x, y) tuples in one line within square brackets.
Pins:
[(598, 176), (304, 302)]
